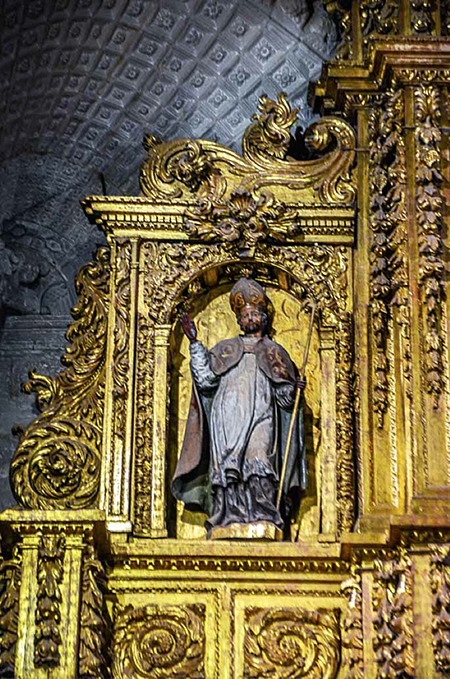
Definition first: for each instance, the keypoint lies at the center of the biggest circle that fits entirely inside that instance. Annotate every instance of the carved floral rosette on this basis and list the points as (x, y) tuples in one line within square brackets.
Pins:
[(159, 641), (284, 643)]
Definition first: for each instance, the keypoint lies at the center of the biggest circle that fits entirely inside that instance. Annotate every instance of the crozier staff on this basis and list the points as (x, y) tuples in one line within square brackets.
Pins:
[(237, 428)]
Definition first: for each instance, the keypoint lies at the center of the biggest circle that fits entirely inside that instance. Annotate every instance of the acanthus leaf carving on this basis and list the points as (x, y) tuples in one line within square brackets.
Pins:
[(159, 641), (121, 334), (47, 640), (392, 602), (286, 643), (11, 574), (94, 658), (213, 172), (429, 203), (57, 462), (268, 137)]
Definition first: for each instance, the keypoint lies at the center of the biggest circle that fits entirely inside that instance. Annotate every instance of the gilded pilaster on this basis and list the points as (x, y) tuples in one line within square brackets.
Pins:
[(11, 574)]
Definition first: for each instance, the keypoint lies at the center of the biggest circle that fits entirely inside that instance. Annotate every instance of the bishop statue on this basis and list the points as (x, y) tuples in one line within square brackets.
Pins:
[(237, 428)]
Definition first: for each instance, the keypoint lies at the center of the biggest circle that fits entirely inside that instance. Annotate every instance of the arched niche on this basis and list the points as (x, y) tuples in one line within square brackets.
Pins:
[(215, 321), (198, 277)]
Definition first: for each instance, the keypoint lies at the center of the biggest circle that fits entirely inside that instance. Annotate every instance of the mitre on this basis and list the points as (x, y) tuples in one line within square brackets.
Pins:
[(247, 291)]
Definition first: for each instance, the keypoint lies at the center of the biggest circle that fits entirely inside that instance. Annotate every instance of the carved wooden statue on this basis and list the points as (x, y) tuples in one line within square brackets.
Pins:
[(237, 428)]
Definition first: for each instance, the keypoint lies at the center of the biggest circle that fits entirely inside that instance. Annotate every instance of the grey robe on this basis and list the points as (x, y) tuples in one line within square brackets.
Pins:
[(240, 413)]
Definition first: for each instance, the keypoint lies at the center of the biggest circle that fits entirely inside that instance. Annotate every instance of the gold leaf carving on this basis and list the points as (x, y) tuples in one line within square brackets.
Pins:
[(422, 21), (392, 600), (341, 13), (344, 426), (121, 334), (10, 577), (352, 630), (47, 638), (429, 218), (212, 171), (378, 18), (244, 217), (57, 462), (268, 137), (291, 643), (159, 641), (318, 270), (169, 273), (440, 586), (143, 445), (93, 654), (388, 272)]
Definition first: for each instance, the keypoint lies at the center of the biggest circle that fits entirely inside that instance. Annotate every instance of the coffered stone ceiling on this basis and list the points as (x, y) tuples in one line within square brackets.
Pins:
[(83, 80)]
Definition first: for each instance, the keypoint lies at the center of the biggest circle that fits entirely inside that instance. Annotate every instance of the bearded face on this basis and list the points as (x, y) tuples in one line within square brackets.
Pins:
[(251, 320)]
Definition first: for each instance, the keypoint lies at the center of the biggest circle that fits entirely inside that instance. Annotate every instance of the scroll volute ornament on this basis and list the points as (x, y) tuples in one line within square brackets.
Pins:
[(291, 643), (180, 168), (159, 641), (57, 462)]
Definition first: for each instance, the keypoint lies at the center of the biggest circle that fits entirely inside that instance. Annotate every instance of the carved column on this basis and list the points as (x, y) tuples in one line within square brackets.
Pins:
[(160, 417), (119, 394), (49, 589), (328, 469)]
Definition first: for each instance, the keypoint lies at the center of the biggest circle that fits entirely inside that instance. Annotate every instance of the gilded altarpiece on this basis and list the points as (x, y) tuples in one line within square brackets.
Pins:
[(104, 574)]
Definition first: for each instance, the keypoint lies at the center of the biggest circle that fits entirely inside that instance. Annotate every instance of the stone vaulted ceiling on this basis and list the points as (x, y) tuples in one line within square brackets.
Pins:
[(83, 80)]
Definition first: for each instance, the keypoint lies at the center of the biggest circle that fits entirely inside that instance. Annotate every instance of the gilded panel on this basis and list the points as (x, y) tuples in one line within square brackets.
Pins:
[(159, 641)]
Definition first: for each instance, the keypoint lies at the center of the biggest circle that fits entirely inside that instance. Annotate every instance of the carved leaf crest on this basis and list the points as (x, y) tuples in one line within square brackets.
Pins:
[(57, 462)]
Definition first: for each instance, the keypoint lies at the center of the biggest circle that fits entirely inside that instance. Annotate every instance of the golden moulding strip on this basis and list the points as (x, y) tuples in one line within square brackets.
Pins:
[(416, 62), (161, 221)]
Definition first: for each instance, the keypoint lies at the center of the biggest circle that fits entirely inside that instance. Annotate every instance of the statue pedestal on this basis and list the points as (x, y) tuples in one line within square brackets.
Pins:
[(258, 530)]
